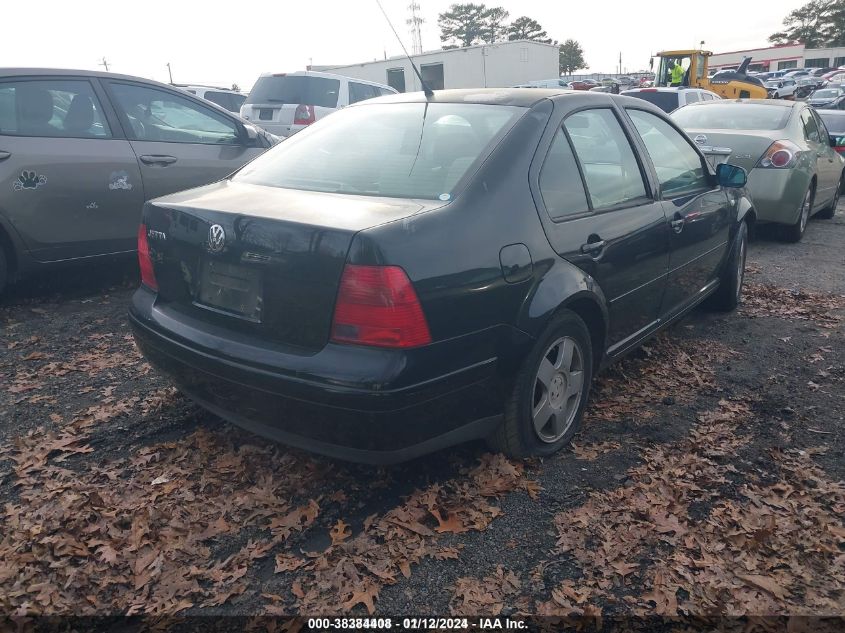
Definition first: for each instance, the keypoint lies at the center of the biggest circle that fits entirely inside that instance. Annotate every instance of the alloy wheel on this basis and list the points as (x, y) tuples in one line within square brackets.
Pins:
[(805, 209), (740, 268), (558, 389)]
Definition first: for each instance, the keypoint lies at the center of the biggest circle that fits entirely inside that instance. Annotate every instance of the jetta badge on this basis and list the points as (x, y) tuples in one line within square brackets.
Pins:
[(216, 238), (700, 139)]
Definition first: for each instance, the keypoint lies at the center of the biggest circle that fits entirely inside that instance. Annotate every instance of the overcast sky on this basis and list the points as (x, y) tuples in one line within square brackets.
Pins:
[(226, 42)]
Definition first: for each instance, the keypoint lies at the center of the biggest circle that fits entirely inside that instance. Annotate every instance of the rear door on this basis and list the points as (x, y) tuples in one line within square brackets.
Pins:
[(69, 182), (180, 143), (697, 209), (603, 218), (828, 167)]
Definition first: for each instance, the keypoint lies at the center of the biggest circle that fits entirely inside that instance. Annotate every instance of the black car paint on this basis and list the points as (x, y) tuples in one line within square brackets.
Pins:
[(490, 268)]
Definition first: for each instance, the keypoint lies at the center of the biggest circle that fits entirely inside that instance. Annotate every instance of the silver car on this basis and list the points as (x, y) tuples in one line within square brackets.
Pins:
[(793, 171), (80, 153)]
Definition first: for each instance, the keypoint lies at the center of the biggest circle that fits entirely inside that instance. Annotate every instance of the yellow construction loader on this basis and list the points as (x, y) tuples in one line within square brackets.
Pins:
[(688, 68)]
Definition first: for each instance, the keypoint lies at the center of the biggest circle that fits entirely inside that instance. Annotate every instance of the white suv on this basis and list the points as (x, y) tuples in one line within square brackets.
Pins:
[(230, 100), (670, 99), (284, 103)]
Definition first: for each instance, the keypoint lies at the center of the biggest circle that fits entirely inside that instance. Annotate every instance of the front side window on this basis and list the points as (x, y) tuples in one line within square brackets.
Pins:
[(560, 181), (611, 171), (404, 150), (679, 168), (51, 108), (157, 115)]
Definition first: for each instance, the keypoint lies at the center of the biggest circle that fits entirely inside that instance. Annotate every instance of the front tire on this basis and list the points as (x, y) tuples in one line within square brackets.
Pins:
[(729, 294), (795, 232), (550, 393)]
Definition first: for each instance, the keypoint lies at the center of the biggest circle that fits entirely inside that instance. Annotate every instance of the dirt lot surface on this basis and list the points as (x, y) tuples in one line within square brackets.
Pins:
[(708, 478)]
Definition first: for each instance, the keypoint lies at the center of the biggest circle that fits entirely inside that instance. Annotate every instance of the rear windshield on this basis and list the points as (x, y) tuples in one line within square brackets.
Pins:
[(403, 150), (295, 89), (826, 94), (733, 116), (833, 121), (666, 101)]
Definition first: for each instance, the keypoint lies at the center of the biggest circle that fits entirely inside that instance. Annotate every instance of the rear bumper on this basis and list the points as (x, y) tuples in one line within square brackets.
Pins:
[(777, 193), (354, 403)]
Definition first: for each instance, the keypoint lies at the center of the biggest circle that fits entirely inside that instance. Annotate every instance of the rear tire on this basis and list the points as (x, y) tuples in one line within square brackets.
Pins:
[(729, 294), (795, 232), (545, 408), (828, 212), (4, 269)]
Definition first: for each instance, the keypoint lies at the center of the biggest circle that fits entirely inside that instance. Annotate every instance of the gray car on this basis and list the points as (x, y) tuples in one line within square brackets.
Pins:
[(80, 153)]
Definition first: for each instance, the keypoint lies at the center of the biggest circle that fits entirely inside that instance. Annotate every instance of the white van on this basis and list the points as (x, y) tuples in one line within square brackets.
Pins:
[(284, 103), (230, 100)]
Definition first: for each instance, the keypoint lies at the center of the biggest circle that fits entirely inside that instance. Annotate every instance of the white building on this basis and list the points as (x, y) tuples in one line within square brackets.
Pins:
[(781, 57), (498, 65)]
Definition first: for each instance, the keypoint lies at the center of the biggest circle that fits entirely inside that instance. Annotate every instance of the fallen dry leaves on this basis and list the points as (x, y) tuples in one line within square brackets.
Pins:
[(485, 596), (771, 301)]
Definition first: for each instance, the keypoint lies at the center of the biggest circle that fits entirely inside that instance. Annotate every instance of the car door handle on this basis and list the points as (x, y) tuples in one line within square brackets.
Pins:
[(4, 155), (677, 224), (157, 159), (593, 248)]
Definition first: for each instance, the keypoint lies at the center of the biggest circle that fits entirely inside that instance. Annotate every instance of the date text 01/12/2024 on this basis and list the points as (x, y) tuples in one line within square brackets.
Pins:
[(416, 624)]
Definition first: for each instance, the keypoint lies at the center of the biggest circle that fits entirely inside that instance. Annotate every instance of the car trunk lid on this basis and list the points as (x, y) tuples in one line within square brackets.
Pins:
[(261, 260), (746, 147)]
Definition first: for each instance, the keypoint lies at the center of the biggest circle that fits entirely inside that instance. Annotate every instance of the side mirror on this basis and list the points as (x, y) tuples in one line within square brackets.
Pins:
[(251, 132), (728, 175)]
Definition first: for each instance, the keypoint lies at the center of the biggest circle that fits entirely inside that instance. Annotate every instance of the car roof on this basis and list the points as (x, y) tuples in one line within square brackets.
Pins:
[(315, 73), (28, 72), (520, 97), (775, 103)]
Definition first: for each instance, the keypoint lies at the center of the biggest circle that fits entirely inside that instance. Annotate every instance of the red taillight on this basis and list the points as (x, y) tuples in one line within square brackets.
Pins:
[(145, 262), (840, 149), (781, 154), (378, 306), (304, 115)]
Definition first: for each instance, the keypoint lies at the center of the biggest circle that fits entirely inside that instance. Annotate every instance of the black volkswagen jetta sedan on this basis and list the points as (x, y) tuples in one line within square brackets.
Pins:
[(412, 272)]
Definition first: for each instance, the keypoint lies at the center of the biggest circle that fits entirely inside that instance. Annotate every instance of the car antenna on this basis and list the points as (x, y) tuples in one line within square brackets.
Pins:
[(428, 91)]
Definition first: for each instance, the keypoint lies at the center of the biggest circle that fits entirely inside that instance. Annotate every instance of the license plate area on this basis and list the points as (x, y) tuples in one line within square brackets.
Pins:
[(230, 289), (265, 114)]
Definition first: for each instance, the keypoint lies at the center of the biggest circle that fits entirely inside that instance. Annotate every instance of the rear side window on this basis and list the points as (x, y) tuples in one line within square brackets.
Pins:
[(560, 181), (296, 90), (51, 108), (679, 168), (359, 92), (692, 96), (811, 130), (611, 171)]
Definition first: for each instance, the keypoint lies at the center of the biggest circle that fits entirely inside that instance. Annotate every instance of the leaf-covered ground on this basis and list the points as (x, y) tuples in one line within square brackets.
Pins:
[(708, 478)]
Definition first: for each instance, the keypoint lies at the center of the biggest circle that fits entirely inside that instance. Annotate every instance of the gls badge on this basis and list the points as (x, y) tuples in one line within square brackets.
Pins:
[(216, 238)]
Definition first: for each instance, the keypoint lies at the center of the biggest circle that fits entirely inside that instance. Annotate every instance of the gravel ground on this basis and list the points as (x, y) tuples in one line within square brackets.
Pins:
[(708, 478)]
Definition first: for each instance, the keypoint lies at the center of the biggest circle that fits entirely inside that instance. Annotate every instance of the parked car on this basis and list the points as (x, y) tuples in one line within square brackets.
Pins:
[(81, 151), (545, 83), (583, 84), (669, 99), (827, 98), (226, 98), (793, 172), (371, 298), (834, 121), (805, 86), (285, 103), (783, 88)]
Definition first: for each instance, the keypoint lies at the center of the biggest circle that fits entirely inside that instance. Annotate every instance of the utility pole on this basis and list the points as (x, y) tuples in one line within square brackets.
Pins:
[(105, 64), (170, 73), (414, 22)]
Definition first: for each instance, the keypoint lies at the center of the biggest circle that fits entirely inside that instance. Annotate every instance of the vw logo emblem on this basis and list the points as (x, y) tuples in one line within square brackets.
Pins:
[(216, 238), (700, 139)]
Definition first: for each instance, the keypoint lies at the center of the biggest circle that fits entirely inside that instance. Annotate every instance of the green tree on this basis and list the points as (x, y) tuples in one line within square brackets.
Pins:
[(464, 24), (817, 24), (495, 28), (571, 57), (524, 28)]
